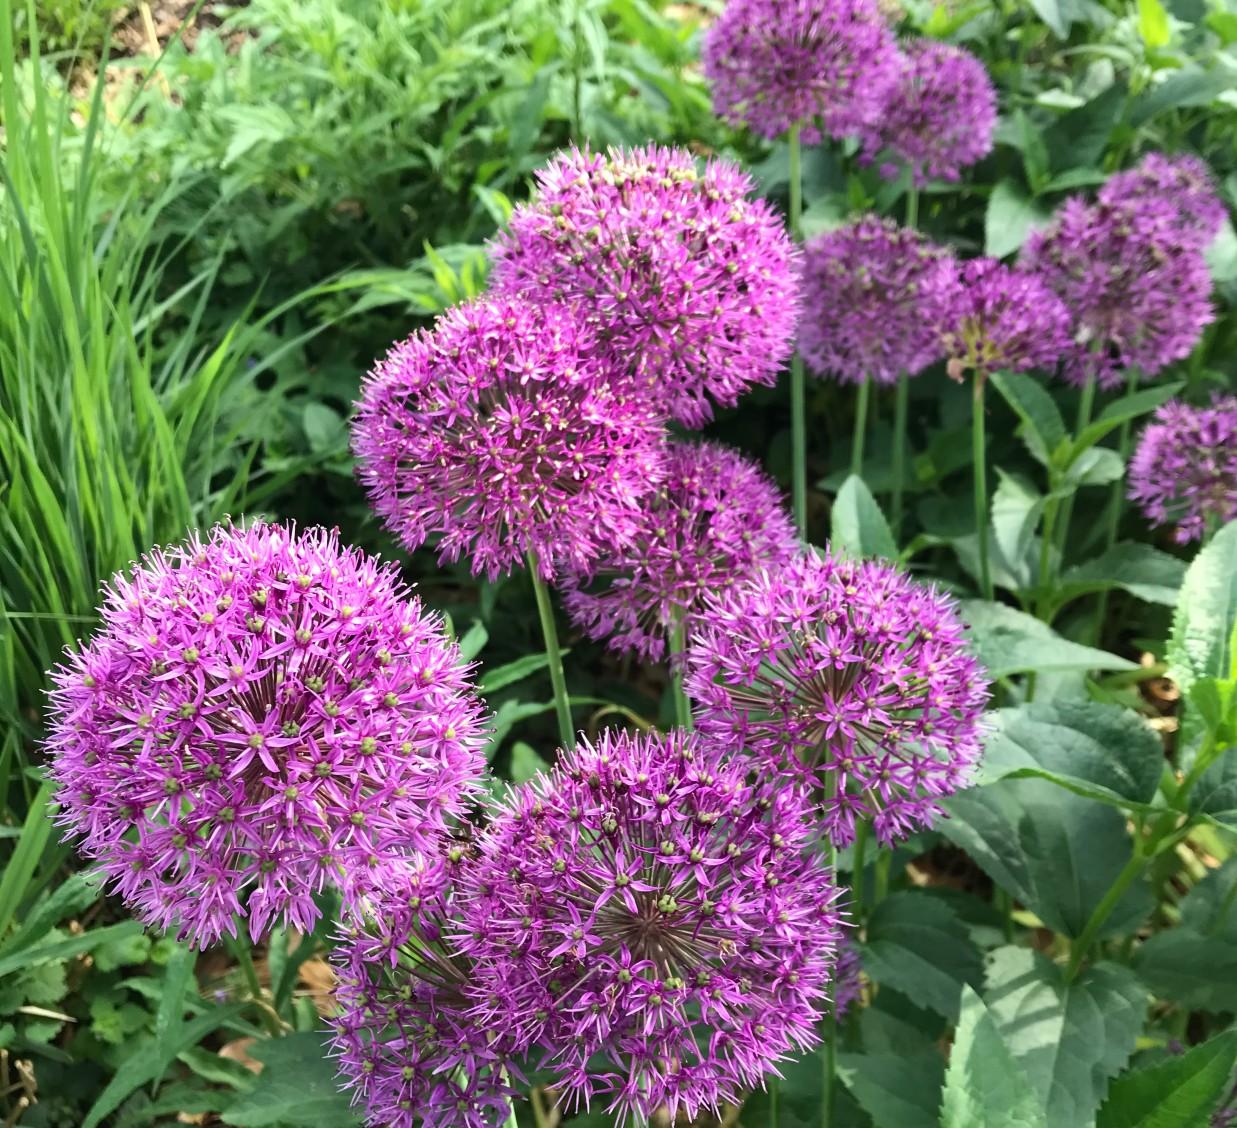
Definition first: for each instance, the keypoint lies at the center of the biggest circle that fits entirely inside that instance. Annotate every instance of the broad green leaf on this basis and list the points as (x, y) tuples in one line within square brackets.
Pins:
[(1189, 967), (526, 762), (1153, 23), (1122, 410), (1145, 572), (984, 1085), (1181, 1091), (1043, 429), (1069, 1038), (325, 429), (1095, 467), (1189, 86), (1215, 793), (1016, 511), (1010, 215), (1199, 645), (1102, 751), (859, 527), (502, 676), (1211, 906), (895, 1090), (917, 944), (1008, 641), (296, 1086), (71, 947), (1078, 140), (473, 641)]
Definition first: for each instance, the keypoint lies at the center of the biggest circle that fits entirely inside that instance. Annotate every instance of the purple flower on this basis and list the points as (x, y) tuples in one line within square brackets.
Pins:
[(1183, 181), (938, 117), (847, 975), (690, 286), (775, 64), (1184, 470), (651, 914), (1138, 293), (498, 431), (1003, 318), (264, 713), (715, 521), (875, 296), (405, 1039), (848, 673)]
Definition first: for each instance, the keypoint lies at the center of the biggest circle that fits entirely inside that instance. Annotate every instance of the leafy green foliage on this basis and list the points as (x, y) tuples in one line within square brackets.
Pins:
[(1182, 1090)]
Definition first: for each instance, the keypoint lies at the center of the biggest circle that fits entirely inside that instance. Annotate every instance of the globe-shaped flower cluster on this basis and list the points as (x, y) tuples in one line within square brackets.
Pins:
[(263, 713), (688, 285), (1183, 181), (850, 675)]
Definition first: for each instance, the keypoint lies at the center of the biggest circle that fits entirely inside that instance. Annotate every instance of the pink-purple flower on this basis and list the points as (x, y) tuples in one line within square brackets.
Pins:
[(1182, 181), (713, 523), (653, 916), (940, 115), (848, 674), (876, 296), (777, 64), (1184, 469), (1137, 291), (263, 714), (500, 432), (1003, 318), (688, 285)]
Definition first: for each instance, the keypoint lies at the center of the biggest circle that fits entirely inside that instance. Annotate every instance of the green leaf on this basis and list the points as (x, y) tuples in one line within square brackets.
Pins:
[(473, 640), (1190, 968), (296, 1086), (1189, 86), (1008, 641), (1016, 511), (1095, 467), (984, 1084), (1180, 1091), (1010, 215), (1043, 429), (859, 527), (1077, 140), (73, 946), (1211, 906), (1069, 1038), (1215, 793), (1145, 572), (1153, 23), (325, 429), (1101, 751), (526, 762), (1199, 645), (895, 1090), (917, 945), (502, 676), (1133, 406)]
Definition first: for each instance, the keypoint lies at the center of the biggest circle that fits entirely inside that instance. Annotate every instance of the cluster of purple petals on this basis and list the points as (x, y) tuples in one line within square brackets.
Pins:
[(1137, 291), (653, 915), (716, 520), (689, 287), (1002, 318), (776, 64), (1184, 470), (1183, 181), (847, 977), (938, 118), (851, 675), (499, 432), (875, 297), (405, 1037), (263, 713)]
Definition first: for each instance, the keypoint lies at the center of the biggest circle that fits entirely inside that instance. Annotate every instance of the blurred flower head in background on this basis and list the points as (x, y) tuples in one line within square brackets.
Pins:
[(1183, 181)]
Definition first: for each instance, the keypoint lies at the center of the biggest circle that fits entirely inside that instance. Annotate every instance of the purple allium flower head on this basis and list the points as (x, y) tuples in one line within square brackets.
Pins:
[(405, 1039), (1183, 181), (1184, 470), (716, 520), (653, 916), (940, 115), (498, 431), (1138, 293), (847, 975), (690, 286), (848, 672), (875, 297), (775, 64), (1003, 318), (263, 713)]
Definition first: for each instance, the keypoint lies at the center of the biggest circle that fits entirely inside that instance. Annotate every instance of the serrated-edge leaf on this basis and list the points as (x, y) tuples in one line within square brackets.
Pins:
[(858, 526), (1202, 626), (1180, 1091), (1043, 428)]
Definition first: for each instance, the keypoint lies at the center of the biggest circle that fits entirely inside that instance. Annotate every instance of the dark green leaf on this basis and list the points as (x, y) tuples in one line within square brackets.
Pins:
[(1203, 624), (1079, 138), (895, 1090), (296, 1087), (525, 762), (1189, 967), (1215, 793), (1210, 907), (1180, 1091), (859, 527), (1016, 511), (502, 676), (1008, 641), (71, 947), (1009, 218), (1043, 429), (1189, 86), (1129, 407), (1145, 572)]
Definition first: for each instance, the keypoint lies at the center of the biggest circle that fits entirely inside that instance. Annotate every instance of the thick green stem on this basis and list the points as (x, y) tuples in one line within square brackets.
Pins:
[(1005, 904), (861, 427), (978, 456), (682, 707), (1079, 948), (554, 656), (912, 205), (1086, 405), (798, 392), (244, 960), (856, 873), (880, 887), (901, 396), (1116, 505)]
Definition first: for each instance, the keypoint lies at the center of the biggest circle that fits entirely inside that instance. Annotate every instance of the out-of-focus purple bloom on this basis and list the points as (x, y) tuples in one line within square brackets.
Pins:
[(652, 915), (876, 297), (264, 713), (1184, 470), (1003, 319), (1138, 293), (939, 117), (405, 1039), (847, 976), (775, 64), (1182, 181), (500, 432), (690, 286), (716, 520), (850, 674)]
